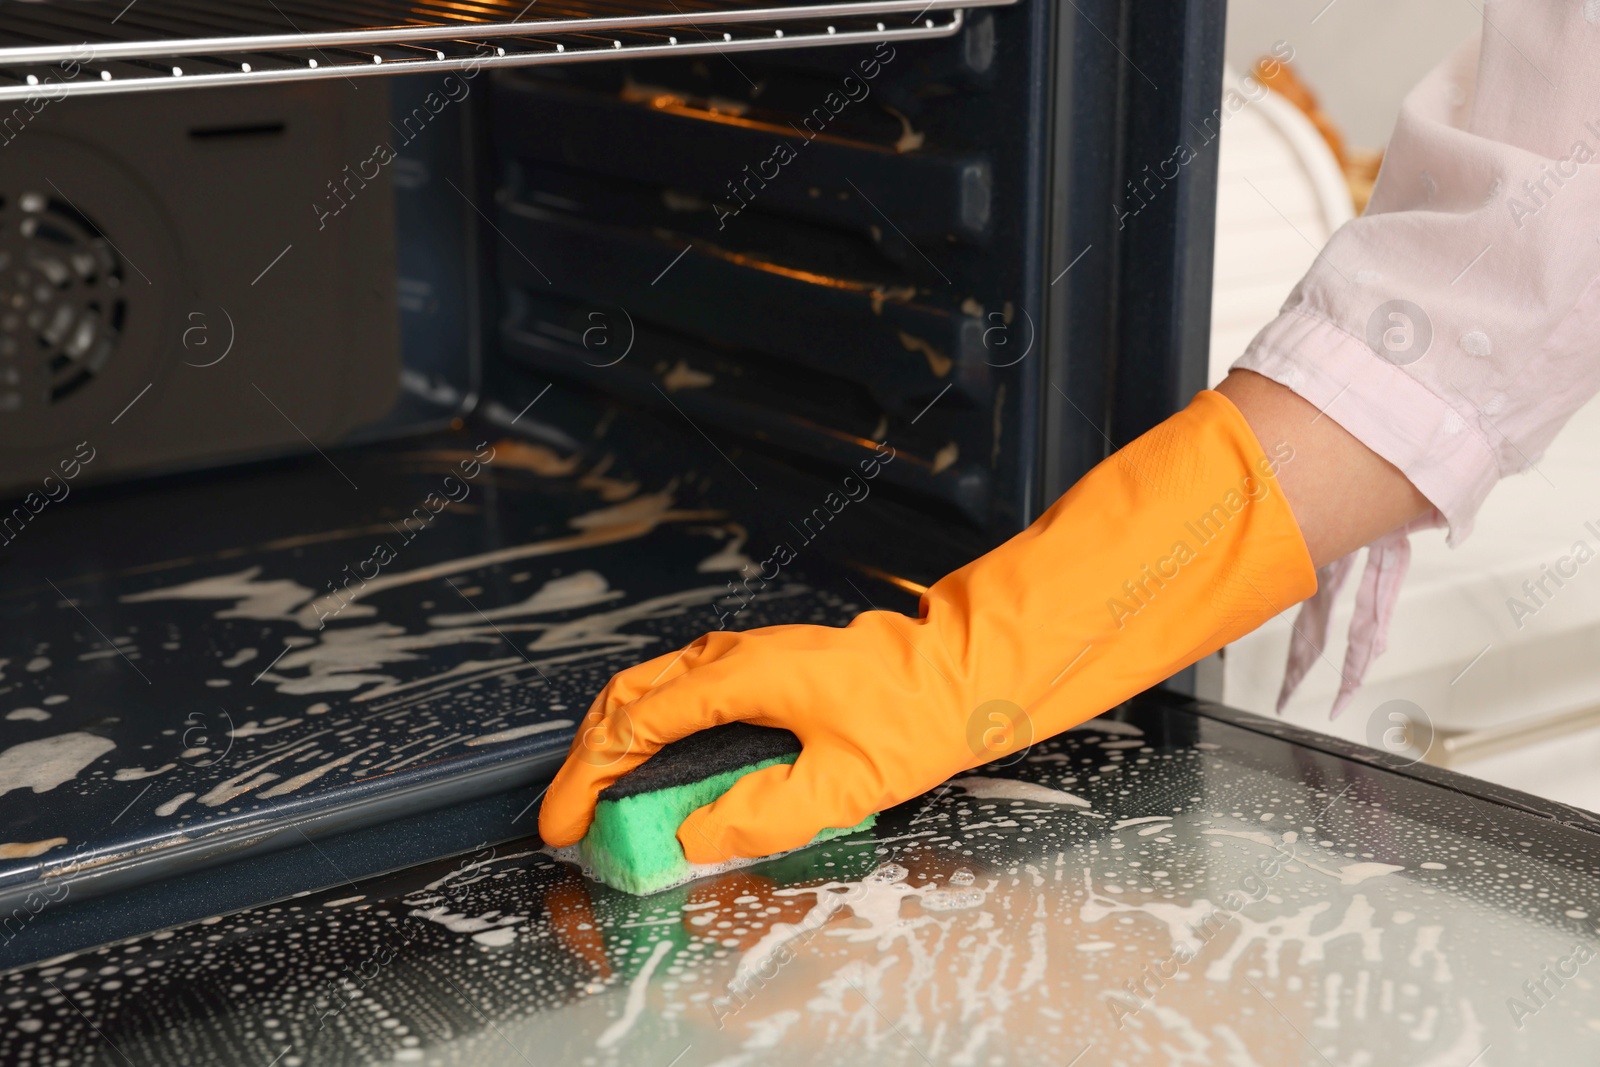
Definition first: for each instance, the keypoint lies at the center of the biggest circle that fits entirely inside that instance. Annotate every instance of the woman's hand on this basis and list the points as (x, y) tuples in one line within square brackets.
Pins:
[(1174, 546)]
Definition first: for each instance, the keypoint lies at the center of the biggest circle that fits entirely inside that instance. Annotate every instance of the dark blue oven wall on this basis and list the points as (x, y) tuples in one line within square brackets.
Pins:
[(809, 253), (806, 253), (437, 278)]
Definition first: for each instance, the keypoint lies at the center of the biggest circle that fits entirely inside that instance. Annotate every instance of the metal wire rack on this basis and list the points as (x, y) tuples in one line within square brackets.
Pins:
[(81, 47)]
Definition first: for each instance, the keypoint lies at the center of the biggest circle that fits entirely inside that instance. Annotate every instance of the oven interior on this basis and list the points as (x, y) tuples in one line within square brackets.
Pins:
[(578, 329)]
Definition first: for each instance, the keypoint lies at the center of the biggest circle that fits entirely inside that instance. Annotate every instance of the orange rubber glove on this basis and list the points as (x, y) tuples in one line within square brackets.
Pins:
[(1171, 548)]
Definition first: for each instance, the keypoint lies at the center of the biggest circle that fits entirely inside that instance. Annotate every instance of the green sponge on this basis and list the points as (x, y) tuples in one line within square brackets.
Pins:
[(632, 844)]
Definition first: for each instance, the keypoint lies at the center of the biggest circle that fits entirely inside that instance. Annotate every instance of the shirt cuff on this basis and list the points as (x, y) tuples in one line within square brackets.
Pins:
[(1445, 456)]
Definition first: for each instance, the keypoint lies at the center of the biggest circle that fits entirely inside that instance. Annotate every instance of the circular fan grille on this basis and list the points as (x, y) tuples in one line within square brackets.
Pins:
[(61, 300)]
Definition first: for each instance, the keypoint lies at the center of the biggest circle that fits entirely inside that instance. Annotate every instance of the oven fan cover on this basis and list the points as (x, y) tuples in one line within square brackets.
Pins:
[(63, 300), (88, 260), (132, 238)]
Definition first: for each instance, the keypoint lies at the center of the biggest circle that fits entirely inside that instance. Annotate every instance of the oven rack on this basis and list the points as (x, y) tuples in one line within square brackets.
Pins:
[(89, 47)]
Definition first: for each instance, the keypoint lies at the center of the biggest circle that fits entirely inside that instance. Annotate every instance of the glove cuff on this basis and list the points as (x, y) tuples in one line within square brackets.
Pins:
[(1169, 549)]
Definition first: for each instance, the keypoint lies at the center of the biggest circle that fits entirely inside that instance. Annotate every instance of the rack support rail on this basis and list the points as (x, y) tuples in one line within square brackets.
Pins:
[(88, 47)]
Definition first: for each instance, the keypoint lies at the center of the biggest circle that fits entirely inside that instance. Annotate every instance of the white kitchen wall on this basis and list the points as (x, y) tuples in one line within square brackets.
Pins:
[(1359, 55)]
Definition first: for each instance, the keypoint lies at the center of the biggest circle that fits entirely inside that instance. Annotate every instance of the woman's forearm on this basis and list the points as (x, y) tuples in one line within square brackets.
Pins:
[(1342, 493)]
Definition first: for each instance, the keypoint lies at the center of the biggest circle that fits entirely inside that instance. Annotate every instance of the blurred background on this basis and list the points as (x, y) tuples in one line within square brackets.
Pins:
[(1518, 706)]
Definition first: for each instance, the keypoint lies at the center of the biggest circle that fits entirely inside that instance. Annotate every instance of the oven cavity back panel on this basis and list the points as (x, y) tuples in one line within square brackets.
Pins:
[(213, 277), (70, 48)]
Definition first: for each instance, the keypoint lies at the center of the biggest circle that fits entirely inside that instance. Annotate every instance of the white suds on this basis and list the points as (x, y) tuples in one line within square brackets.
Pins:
[(1007, 789), (520, 731), (44, 764), (490, 929), (263, 601), (170, 806), (1356, 873), (133, 774), (584, 589), (634, 1005), (289, 785), (16, 850), (254, 729)]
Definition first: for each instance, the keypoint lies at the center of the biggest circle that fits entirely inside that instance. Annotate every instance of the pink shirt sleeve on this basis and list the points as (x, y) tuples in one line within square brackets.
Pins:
[(1454, 328)]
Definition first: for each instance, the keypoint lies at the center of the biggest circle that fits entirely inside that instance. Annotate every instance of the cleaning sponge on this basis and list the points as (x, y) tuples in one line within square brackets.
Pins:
[(632, 843)]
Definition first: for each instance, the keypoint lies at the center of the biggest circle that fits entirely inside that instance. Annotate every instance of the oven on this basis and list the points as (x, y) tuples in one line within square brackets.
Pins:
[(376, 380), (337, 345)]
